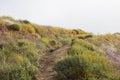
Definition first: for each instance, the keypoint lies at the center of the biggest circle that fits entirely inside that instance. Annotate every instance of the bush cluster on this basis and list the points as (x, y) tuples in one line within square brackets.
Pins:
[(72, 68), (14, 27), (26, 21)]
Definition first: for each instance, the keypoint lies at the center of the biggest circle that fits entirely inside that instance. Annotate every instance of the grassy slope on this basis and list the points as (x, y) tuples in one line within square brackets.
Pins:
[(22, 45)]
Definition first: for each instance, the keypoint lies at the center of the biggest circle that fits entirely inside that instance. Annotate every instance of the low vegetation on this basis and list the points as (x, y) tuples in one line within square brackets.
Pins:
[(22, 43), (19, 60), (85, 63)]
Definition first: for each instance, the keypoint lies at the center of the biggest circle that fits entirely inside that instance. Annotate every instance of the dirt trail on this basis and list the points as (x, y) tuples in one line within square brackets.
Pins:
[(47, 62)]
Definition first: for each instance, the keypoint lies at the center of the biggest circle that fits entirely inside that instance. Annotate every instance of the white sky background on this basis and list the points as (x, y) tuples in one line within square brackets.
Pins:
[(96, 16)]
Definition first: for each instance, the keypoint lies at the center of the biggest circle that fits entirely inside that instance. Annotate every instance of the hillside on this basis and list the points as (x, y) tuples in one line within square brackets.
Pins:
[(37, 52)]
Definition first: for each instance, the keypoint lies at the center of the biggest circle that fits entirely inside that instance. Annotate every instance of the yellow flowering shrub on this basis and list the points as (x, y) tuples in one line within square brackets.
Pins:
[(46, 40), (19, 58), (29, 28)]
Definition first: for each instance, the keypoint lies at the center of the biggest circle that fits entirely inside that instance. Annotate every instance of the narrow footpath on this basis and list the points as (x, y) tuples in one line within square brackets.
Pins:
[(47, 62)]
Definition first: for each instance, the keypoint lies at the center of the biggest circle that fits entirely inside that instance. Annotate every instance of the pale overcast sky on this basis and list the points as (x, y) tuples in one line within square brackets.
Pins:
[(97, 16)]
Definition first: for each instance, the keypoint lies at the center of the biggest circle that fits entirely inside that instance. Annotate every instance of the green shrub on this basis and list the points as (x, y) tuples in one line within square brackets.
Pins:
[(84, 44), (89, 36), (78, 31), (1, 46), (81, 37), (72, 68), (52, 42), (65, 40), (14, 27), (76, 50), (26, 21), (80, 47)]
